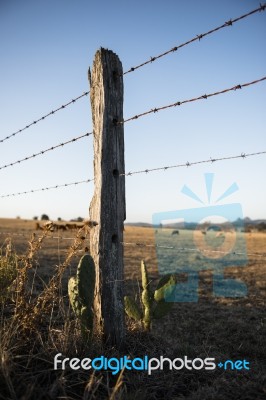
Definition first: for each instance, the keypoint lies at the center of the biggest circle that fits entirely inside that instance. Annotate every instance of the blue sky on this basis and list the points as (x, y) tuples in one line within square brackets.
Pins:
[(46, 49)]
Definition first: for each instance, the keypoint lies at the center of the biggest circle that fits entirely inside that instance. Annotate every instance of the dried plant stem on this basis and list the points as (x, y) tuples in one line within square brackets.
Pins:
[(35, 244), (45, 300)]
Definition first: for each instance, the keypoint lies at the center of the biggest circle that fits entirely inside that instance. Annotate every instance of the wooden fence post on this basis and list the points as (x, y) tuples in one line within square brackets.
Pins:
[(107, 207)]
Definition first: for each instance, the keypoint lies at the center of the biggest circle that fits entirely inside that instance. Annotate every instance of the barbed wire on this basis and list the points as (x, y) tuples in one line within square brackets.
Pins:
[(196, 38), (187, 249), (45, 116), (47, 188), (27, 235), (141, 245), (179, 103), (46, 150), (151, 60), (189, 164)]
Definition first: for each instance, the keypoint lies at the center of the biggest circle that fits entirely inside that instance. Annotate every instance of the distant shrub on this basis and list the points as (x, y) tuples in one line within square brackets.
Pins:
[(59, 219), (35, 218), (45, 217), (79, 219)]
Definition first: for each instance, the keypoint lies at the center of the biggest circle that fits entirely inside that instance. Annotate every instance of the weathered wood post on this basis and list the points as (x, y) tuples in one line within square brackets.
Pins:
[(107, 207)]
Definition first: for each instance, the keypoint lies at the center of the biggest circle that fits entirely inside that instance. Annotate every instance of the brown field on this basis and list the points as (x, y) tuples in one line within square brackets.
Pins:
[(223, 328)]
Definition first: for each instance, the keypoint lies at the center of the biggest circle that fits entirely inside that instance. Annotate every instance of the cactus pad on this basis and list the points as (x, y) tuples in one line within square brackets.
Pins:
[(165, 288), (81, 294), (86, 280)]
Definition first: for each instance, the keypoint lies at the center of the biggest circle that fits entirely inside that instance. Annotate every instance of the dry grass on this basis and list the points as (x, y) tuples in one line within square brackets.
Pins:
[(31, 335)]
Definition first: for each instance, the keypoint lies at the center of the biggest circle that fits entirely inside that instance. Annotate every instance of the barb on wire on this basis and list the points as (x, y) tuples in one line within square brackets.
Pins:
[(189, 164), (45, 116), (46, 150), (196, 38), (187, 249), (204, 96), (47, 188), (151, 60)]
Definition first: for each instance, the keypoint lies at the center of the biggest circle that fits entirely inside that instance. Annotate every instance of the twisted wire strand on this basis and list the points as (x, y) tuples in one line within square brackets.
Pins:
[(196, 38), (46, 150), (202, 97), (151, 60), (47, 188), (189, 164), (45, 116)]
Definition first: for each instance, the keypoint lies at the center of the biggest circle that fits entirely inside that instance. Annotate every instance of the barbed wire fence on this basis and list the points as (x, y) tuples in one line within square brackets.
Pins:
[(63, 106), (40, 153), (117, 122), (196, 38), (179, 249), (132, 69), (179, 103)]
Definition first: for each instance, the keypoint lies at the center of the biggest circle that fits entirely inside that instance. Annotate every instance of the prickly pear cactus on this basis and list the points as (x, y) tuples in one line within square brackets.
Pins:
[(74, 296), (81, 294), (165, 288), (155, 305)]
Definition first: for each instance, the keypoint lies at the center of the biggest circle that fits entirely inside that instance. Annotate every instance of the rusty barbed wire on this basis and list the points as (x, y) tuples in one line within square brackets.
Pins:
[(179, 103), (197, 37), (46, 150), (151, 60), (189, 164), (45, 116), (47, 188), (187, 249)]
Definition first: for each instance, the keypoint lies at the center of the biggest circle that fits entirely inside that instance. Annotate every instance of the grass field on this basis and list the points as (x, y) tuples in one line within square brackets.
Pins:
[(222, 328)]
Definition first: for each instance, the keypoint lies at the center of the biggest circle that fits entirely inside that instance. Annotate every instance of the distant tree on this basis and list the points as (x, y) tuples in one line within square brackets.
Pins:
[(35, 218), (45, 217), (59, 219)]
